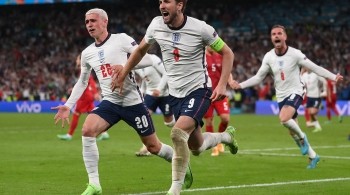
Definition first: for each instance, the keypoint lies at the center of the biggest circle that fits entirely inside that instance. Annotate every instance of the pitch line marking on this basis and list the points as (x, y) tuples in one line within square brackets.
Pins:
[(279, 154), (254, 185), (294, 148)]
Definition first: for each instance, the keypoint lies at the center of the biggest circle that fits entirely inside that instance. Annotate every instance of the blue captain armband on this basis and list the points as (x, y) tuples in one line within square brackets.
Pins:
[(217, 45)]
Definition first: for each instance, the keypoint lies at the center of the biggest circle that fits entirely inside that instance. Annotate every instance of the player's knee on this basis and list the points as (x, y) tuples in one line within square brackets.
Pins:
[(178, 135), (88, 131)]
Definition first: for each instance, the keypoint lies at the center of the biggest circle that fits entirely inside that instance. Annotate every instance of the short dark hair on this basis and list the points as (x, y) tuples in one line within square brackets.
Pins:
[(279, 26), (184, 2)]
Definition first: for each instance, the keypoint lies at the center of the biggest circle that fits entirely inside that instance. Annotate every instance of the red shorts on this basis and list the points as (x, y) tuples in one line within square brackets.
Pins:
[(221, 107), (84, 106)]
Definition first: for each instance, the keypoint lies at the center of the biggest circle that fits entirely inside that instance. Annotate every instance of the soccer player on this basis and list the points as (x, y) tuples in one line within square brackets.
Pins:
[(214, 67), (182, 40), (315, 90), (284, 63), (84, 105), (331, 101), (110, 49), (156, 93)]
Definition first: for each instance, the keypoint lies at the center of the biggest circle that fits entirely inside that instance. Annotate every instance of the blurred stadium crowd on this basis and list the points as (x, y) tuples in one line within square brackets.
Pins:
[(40, 42)]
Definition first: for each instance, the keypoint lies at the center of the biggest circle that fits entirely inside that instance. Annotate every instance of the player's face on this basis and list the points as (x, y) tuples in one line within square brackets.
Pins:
[(95, 25), (169, 10), (278, 37)]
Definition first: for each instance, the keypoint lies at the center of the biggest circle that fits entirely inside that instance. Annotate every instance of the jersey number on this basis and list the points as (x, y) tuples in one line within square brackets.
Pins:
[(282, 76), (106, 70), (176, 54), (141, 122), (213, 67)]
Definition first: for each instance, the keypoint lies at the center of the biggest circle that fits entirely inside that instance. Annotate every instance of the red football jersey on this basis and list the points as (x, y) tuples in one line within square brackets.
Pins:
[(214, 63), (90, 91)]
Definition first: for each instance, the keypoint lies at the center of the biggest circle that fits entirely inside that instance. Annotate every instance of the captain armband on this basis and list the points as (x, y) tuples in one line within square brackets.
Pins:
[(217, 45)]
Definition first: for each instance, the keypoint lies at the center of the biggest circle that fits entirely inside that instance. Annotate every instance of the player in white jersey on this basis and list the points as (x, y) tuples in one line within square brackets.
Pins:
[(156, 94), (109, 49), (182, 40), (316, 88), (283, 63)]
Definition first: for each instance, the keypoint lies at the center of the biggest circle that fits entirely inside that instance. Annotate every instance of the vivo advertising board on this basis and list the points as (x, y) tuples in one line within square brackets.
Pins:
[(261, 107)]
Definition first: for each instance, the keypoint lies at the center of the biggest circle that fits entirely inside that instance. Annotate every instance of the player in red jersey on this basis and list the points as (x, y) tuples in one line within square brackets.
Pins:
[(331, 100), (222, 108), (84, 105)]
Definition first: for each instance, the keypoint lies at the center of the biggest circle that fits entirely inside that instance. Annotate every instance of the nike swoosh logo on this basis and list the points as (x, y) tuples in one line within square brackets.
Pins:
[(142, 131), (188, 110)]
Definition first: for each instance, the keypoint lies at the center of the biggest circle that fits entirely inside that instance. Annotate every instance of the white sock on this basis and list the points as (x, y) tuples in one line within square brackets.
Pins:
[(171, 123), (292, 125), (180, 159), (166, 152), (317, 124), (296, 139), (91, 157), (211, 140), (311, 152)]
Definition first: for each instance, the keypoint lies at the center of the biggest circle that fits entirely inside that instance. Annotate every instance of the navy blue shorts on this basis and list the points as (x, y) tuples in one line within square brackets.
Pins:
[(313, 102), (162, 103), (293, 100), (194, 105), (137, 116)]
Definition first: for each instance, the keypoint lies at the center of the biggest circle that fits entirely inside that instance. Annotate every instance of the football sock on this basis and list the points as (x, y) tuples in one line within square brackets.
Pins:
[(317, 124), (180, 159), (296, 139), (211, 140), (223, 126), (209, 128), (292, 125), (170, 124), (74, 124), (329, 114), (307, 115), (91, 157), (311, 153), (166, 152)]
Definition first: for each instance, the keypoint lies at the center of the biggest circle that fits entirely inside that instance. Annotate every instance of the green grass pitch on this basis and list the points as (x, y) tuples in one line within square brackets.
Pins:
[(34, 161)]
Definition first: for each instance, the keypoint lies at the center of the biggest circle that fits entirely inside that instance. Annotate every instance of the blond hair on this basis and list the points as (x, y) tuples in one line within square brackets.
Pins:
[(102, 13)]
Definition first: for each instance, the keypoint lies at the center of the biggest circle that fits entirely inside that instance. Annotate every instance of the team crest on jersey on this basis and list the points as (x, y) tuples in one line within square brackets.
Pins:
[(280, 63), (101, 56), (176, 38)]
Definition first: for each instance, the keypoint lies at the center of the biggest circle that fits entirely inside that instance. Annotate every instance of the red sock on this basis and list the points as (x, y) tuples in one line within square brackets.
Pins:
[(329, 114), (222, 126), (209, 128), (74, 124), (307, 115)]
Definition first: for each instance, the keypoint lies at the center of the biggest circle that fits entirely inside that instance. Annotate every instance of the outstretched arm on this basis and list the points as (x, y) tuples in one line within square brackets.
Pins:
[(321, 71)]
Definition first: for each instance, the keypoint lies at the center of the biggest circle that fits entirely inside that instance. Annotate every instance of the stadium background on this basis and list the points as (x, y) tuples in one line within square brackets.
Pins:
[(40, 42)]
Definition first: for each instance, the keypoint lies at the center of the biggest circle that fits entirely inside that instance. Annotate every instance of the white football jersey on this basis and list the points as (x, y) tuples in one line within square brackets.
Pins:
[(183, 52), (315, 84), (154, 77), (285, 70), (114, 50)]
